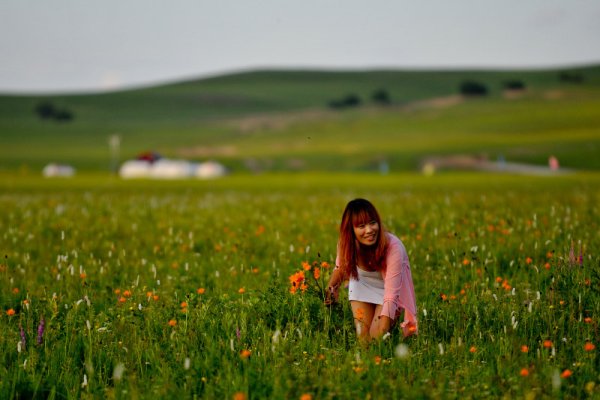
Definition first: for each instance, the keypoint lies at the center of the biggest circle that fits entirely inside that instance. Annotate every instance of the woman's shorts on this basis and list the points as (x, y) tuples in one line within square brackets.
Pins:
[(368, 288)]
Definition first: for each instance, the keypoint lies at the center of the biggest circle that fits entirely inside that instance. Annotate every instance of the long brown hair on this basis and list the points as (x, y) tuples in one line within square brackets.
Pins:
[(357, 212)]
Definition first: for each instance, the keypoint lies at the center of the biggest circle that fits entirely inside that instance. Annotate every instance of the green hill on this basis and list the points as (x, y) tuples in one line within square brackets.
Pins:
[(279, 120)]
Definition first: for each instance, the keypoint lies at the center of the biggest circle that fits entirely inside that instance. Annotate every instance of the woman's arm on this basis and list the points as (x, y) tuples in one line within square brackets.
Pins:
[(337, 277)]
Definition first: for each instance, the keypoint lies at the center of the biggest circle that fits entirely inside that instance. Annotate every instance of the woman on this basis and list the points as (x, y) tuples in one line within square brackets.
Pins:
[(376, 263)]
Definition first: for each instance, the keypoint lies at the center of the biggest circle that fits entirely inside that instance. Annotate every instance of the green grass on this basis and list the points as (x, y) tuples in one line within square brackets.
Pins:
[(280, 119), (469, 237)]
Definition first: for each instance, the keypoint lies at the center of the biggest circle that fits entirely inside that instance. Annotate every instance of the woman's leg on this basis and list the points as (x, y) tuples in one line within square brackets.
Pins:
[(380, 325), (363, 315)]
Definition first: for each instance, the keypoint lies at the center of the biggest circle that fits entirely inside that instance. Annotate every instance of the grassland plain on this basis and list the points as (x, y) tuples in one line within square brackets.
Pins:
[(140, 289), (279, 120)]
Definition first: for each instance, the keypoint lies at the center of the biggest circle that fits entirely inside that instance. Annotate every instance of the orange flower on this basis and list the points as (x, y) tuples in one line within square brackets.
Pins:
[(589, 346), (498, 279), (122, 299), (325, 264), (443, 297), (566, 373), (524, 372), (306, 266), (547, 265), (316, 273), (524, 349), (245, 353), (127, 293), (200, 290), (306, 396), (117, 291), (239, 396), (82, 275), (172, 322), (473, 349), (10, 312), (148, 294), (547, 343), (15, 290), (296, 280), (377, 360), (184, 304), (360, 314), (155, 297), (255, 270), (241, 290), (587, 320), (466, 262), (528, 260)]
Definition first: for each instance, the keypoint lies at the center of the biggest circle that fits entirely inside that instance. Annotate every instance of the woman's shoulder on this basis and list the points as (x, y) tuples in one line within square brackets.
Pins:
[(394, 241)]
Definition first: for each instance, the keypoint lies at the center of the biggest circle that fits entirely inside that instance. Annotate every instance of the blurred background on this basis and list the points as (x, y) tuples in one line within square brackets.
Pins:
[(202, 89)]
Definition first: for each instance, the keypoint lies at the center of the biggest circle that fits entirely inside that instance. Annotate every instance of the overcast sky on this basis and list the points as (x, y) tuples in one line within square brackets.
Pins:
[(72, 45)]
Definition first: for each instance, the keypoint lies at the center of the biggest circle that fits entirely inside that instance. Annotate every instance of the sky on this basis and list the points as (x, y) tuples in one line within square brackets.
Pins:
[(81, 46)]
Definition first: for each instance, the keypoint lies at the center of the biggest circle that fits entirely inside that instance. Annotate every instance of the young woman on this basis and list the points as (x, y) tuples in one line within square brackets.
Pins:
[(376, 263)]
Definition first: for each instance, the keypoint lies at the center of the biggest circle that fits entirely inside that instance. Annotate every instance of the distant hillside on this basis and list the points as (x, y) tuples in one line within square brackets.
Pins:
[(313, 119)]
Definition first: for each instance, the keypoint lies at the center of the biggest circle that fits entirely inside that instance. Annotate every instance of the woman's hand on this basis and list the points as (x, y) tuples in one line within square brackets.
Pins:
[(332, 295)]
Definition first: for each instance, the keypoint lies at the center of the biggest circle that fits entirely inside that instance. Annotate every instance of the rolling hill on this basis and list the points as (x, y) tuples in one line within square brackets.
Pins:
[(282, 120)]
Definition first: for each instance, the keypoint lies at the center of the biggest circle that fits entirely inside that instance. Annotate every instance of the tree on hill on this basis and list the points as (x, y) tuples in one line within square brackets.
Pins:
[(473, 88), (350, 100), (570, 77), (514, 85), (381, 97), (47, 110)]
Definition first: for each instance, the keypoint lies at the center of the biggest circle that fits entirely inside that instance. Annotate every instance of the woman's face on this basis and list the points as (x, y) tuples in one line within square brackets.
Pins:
[(367, 233)]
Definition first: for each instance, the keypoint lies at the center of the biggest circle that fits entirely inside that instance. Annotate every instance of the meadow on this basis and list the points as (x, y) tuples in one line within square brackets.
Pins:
[(140, 289)]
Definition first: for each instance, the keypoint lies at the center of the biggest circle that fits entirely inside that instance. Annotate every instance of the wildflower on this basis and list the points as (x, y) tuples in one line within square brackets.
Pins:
[(10, 312), (547, 343), (122, 299), (241, 290), (589, 346), (325, 264), (547, 265), (184, 304), (572, 254), (524, 372), (127, 293), (306, 266), (587, 320), (358, 369), (82, 275), (528, 260), (524, 349), (15, 290), (23, 337), (245, 353), (377, 360), (317, 273), (466, 262), (239, 396), (402, 351), (255, 270), (117, 291), (200, 290), (296, 280), (443, 297), (566, 373), (40, 332), (473, 349), (172, 322), (306, 396)]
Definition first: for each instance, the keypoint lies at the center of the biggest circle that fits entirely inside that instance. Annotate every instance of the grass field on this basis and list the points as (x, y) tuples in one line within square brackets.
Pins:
[(180, 289)]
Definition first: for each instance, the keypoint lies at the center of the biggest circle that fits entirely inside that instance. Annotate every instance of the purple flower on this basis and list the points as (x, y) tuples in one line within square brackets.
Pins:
[(41, 327), (23, 337), (238, 333)]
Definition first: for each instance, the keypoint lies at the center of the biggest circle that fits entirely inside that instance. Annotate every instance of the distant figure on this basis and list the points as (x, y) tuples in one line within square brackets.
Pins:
[(553, 163), (376, 264)]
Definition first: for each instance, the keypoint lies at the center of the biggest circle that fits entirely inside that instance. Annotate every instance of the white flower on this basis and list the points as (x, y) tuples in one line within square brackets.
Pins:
[(402, 351), (118, 371)]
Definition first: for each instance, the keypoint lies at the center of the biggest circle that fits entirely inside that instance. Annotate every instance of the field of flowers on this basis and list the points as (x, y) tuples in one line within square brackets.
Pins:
[(140, 290)]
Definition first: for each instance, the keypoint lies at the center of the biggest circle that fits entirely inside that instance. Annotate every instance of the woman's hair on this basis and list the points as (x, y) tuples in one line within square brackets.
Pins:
[(357, 212)]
